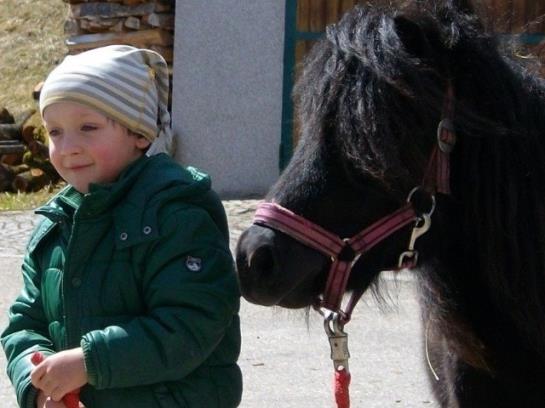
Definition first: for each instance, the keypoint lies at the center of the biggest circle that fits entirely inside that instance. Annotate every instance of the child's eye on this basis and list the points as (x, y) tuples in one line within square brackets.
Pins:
[(54, 132), (88, 128)]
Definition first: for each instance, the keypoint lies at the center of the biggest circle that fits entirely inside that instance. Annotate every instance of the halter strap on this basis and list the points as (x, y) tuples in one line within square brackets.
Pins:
[(344, 253), (437, 175)]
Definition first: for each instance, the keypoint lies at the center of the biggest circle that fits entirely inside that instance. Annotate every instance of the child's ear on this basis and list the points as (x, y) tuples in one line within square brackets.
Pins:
[(142, 143)]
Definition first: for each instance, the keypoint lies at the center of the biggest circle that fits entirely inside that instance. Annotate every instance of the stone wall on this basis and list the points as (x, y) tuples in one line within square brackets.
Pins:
[(140, 23)]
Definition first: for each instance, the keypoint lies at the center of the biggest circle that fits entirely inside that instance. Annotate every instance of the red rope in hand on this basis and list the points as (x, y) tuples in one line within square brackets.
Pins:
[(342, 382), (71, 400)]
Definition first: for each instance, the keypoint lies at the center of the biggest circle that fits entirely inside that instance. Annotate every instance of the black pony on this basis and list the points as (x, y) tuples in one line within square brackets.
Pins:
[(370, 97)]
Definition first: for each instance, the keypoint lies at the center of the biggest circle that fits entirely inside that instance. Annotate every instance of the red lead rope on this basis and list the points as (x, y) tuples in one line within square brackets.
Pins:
[(341, 386), (338, 341)]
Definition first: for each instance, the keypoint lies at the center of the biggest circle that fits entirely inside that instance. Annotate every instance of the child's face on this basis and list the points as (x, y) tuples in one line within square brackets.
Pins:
[(86, 147)]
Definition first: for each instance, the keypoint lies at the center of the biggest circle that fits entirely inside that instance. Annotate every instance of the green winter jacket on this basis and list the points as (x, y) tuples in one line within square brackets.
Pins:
[(139, 274)]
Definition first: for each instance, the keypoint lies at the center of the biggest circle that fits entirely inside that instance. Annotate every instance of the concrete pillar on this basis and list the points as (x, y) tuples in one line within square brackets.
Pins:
[(227, 91)]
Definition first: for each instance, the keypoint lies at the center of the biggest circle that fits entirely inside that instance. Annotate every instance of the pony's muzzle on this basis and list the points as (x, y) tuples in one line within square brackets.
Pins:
[(257, 266)]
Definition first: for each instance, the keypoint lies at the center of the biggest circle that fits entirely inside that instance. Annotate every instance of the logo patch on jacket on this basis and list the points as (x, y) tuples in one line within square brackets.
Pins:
[(193, 264)]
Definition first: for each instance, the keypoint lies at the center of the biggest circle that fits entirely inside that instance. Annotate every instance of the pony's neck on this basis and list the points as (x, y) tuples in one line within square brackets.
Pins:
[(498, 183)]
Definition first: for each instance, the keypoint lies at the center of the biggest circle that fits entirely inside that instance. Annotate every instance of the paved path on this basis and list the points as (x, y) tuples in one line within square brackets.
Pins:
[(285, 354)]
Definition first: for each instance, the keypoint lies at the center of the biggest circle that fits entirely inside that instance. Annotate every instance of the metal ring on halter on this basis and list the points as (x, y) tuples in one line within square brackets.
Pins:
[(432, 198), (332, 325)]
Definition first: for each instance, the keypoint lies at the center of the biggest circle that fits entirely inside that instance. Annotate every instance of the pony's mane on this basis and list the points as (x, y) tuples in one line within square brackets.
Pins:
[(373, 90)]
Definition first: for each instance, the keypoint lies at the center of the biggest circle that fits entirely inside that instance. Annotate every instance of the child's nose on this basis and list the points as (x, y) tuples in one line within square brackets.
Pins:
[(69, 146)]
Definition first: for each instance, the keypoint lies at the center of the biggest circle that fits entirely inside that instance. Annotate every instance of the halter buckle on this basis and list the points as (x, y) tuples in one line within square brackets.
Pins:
[(446, 135)]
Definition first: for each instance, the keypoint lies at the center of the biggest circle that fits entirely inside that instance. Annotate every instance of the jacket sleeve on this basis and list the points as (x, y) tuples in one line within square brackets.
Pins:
[(27, 332), (191, 296)]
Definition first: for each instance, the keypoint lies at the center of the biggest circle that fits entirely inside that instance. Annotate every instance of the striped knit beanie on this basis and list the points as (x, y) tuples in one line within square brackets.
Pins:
[(127, 84)]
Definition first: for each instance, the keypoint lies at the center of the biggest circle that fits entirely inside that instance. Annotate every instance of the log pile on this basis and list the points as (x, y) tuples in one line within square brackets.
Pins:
[(140, 23), (24, 162)]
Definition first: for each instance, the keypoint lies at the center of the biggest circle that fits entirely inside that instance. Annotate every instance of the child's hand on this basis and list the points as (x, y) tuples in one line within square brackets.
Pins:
[(60, 374), (43, 401)]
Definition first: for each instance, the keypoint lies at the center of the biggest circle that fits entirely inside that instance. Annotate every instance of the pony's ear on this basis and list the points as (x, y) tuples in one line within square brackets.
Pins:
[(413, 38), (463, 6)]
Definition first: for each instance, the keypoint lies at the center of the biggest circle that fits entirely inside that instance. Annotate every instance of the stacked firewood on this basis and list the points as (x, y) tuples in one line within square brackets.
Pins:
[(140, 23), (24, 162)]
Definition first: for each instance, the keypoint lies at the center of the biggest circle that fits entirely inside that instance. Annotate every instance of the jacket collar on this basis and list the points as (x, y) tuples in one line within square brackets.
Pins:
[(133, 199), (136, 219)]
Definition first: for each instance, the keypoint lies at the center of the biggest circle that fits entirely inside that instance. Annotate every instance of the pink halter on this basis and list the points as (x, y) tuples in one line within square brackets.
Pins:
[(344, 253)]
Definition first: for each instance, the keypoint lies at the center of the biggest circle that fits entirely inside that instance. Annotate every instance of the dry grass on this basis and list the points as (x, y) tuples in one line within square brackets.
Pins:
[(27, 201), (31, 44)]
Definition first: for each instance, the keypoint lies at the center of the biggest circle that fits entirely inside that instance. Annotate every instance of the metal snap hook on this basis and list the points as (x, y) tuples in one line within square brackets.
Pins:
[(422, 225), (338, 341)]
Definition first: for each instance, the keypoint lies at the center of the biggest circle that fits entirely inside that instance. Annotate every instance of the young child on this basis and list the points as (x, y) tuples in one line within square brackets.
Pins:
[(129, 289)]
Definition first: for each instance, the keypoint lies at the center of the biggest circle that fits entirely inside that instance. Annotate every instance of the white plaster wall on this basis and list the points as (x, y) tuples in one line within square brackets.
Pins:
[(227, 91)]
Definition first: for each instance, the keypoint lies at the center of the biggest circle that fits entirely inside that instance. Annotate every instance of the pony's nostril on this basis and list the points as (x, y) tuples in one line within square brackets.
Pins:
[(261, 261)]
